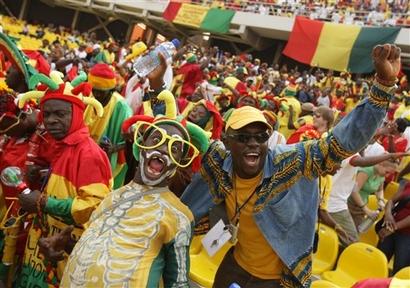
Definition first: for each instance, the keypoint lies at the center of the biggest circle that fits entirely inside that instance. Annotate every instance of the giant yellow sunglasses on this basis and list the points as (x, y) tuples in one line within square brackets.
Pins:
[(175, 142)]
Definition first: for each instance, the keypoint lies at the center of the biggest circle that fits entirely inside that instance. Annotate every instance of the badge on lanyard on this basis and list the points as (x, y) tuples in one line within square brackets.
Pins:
[(216, 238)]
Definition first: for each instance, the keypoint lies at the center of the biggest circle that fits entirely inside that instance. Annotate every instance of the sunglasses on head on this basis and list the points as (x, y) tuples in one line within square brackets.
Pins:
[(245, 137)]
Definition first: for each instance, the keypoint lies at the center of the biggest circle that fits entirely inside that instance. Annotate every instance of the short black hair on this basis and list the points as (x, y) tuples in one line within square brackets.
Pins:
[(402, 124)]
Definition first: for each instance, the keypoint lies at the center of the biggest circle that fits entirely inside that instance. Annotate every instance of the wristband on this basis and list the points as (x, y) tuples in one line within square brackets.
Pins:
[(386, 82)]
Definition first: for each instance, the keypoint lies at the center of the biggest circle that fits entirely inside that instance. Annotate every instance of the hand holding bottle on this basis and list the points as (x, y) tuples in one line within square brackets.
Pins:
[(13, 177), (156, 77)]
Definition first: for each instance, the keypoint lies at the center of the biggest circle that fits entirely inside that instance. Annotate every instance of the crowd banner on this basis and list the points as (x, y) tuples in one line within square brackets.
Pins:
[(336, 46), (208, 19)]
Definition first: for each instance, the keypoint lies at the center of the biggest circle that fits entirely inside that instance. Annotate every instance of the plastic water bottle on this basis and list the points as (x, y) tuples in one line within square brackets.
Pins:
[(13, 177), (367, 223), (145, 65)]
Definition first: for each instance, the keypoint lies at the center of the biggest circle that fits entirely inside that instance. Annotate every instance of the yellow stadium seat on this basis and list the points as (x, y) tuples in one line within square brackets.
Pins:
[(404, 273), (370, 236), (323, 284), (196, 245), (390, 190), (372, 203), (203, 267), (328, 247), (357, 262)]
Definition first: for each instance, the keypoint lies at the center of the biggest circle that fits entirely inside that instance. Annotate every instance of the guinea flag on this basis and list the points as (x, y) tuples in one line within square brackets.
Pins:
[(208, 19), (336, 46)]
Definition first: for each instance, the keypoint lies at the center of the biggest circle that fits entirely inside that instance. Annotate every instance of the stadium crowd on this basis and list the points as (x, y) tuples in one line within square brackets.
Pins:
[(109, 156), (373, 13)]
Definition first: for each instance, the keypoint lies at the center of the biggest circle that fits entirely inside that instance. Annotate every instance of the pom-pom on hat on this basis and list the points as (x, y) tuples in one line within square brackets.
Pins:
[(102, 77)]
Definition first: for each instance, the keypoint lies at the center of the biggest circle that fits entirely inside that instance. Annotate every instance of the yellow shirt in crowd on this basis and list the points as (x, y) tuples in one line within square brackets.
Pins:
[(252, 252), (284, 116), (304, 120), (350, 104)]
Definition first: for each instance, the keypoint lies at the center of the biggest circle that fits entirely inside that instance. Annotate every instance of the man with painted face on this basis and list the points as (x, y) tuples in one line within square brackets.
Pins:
[(271, 196), (79, 178), (141, 232)]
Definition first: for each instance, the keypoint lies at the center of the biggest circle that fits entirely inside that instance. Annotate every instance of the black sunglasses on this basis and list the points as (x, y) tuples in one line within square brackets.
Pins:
[(245, 138)]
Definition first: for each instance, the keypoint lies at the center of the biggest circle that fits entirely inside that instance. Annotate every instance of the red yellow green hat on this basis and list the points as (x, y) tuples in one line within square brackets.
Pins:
[(102, 77)]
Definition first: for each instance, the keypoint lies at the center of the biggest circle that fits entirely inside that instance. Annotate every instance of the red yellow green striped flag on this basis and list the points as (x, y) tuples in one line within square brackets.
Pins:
[(209, 19), (336, 46)]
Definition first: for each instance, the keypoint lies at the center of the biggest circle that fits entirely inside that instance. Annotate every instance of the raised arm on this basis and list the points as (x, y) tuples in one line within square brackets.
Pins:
[(357, 128), (373, 160)]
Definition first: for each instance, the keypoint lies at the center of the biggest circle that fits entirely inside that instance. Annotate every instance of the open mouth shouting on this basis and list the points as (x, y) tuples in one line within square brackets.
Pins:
[(251, 159), (155, 167)]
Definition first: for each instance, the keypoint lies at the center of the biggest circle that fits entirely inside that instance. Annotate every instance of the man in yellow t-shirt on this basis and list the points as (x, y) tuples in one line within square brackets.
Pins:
[(252, 247)]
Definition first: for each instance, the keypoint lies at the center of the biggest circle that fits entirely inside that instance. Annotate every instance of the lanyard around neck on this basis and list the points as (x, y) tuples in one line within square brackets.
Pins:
[(238, 208)]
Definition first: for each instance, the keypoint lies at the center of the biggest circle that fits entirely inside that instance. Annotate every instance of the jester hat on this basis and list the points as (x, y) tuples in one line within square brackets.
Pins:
[(191, 132), (55, 88)]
